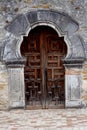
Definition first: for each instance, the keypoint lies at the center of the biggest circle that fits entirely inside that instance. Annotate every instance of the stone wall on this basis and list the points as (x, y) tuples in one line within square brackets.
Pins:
[(9, 9), (3, 87)]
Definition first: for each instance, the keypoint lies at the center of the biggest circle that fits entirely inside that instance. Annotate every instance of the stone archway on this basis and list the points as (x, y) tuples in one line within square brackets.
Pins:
[(65, 26)]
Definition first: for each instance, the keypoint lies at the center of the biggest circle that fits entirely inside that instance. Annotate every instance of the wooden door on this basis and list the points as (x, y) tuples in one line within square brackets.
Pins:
[(44, 71)]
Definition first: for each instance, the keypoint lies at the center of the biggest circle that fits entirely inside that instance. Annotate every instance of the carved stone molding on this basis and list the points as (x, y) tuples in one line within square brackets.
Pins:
[(73, 63), (60, 22)]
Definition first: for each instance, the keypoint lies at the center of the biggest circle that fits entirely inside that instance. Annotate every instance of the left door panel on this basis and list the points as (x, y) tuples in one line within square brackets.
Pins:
[(32, 71)]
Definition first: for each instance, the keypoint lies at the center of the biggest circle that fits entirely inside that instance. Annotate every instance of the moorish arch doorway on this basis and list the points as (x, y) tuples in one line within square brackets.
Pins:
[(41, 66), (44, 72)]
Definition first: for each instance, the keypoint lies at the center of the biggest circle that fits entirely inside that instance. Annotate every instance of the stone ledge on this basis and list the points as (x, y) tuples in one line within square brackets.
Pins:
[(73, 103)]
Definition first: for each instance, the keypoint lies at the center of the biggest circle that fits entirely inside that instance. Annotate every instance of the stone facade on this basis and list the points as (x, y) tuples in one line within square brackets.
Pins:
[(17, 18)]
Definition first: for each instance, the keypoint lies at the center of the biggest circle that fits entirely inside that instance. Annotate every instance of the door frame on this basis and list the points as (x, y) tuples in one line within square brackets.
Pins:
[(65, 26), (42, 36)]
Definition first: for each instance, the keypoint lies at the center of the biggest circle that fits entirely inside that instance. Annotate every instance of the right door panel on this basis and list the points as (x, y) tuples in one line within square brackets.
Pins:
[(55, 75)]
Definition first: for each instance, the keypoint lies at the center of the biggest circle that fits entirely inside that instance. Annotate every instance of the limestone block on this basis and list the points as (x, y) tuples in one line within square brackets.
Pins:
[(77, 46), (19, 25), (16, 87), (73, 86), (63, 21), (10, 49), (73, 83)]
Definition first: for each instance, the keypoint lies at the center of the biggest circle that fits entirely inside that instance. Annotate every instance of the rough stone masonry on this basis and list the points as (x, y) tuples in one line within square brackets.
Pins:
[(10, 9)]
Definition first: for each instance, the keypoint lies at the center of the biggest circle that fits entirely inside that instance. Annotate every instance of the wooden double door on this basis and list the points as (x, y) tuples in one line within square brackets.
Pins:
[(44, 71)]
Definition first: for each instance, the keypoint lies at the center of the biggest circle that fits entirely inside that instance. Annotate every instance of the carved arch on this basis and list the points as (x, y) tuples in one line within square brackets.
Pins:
[(61, 22)]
